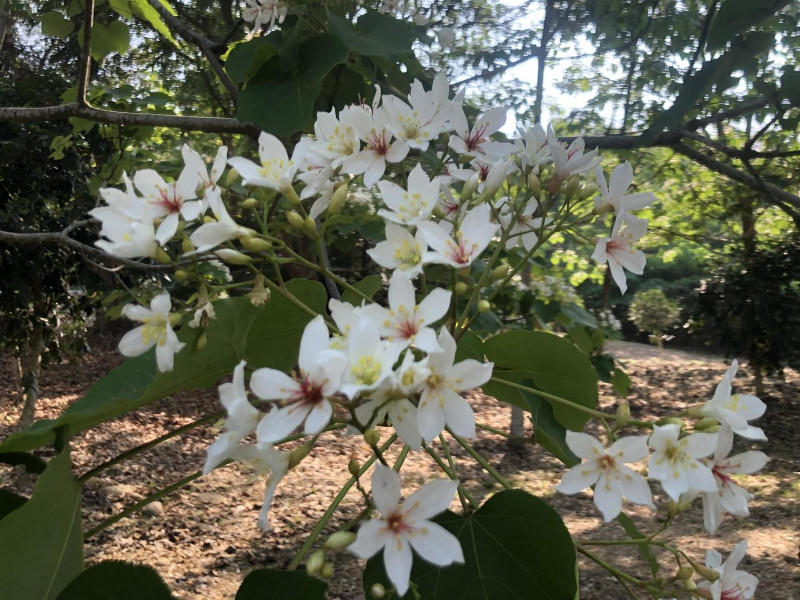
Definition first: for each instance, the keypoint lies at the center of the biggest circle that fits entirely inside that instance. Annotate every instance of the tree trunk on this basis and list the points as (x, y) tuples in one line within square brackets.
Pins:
[(30, 367)]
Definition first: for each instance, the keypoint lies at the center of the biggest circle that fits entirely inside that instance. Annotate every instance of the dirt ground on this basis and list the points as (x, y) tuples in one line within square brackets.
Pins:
[(204, 539)]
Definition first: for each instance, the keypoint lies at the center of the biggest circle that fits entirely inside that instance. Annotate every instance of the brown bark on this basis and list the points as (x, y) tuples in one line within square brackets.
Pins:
[(30, 368)]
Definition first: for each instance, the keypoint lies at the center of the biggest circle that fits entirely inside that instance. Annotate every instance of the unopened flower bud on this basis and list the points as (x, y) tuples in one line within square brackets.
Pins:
[(295, 220), (232, 177), (484, 306), (534, 185), (353, 467), (233, 257), (690, 584), (573, 184), (209, 219), (187, 245), (707, 572), (310, 226), (298, 454), (315, 562), (291, 195), (705, 423), (470, 185), (340, 540), (255, 244), (672, 508), (175, 319), (464, 271), (500, 272), (696, 410), (326, 572), (377, 591), (671, 421), (201, 341), (588, 191), (181, 275), (249, 203), (685, 572), (623, 414), (606, 207), (162, 256), (338, 199), (372, 437), (461, 288)]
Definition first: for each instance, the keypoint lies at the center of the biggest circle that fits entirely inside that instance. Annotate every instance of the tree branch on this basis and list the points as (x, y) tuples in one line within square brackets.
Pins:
[(743, 109), (27, 114), (202, 42), (85, 58)]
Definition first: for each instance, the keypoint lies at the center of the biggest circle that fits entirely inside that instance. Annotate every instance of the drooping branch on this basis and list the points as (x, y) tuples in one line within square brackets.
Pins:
[(26, 114), (85, 59)]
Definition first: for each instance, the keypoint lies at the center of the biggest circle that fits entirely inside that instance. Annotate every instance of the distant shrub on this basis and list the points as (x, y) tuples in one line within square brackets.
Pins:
[(652, 312)]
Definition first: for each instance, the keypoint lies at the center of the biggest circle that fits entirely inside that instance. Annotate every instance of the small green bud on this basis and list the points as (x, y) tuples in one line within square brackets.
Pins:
[(295, 220), (671, 421), (209, 219), (233, 257), (685, 572), (162, 256), (672, 508), (298, 454), (464, 272), (326, 572), (231, 178), (690, 584), (340, 540), (461, 288), (175, 319), (201, 341), (623, 414), (705, 423), (310, 226), (377, 591), (338, 199), (353, 467), (249, 203), (372, 437), (696, 410), (255, 244), (588, 191), (573, 184), (707, 572), (181, 275), (187, 245), (315, 562), (484, 306), (500, 272), (534, 185)]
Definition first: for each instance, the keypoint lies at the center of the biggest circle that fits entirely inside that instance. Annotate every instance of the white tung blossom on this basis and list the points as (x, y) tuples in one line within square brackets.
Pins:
[(735, 410), (155, 330)]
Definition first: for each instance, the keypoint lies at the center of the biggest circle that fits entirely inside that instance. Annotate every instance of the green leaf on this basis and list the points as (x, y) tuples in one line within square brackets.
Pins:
[(620, 382), (54, 24), (579, 315), (267, 336), (469, 346), (41, 543), (246, 58), (548, 432), (142, 9), (644, 549), (553, 364), (106, 40), (790, 85), (9, 502), (375, 34), (735, 16), (581, 338), (515, 546), (117, 580), (282, 102), (33, 464), (275, 584), (369, 286)]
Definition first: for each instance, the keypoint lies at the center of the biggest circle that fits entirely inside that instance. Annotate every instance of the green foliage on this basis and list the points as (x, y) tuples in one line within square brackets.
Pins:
[(369, 286), (240, 331), (275, 584), (553, 364), (548, 432), (375, 34), (117, 580), (515, 545), (652, 312), (41, 543)]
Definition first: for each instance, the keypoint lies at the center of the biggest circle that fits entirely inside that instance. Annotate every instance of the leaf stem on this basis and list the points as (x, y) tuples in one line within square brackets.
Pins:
[(480, 460)]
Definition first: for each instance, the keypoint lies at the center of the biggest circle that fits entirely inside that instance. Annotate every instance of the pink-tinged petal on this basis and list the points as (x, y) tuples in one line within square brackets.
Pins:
[(607, 497), (401, 293), (167, 228), (434, 306), (425, 340), (280, 422), (599, 253), (469, 374), (458, 415), (398, 150), (629, 449), (436, 545), (149, 182), (191, 210), (385, 489), (584, 445), (430, 417), (436, 237), (314, 341), (318, 418), (621, 179), (747, 462), (431, 499), (458, 120), (724, 444), (700, 445), (397, 559), (635, 487), (578, 478), (271, 384), (633, 260), (370, 538), (700, 477), (219, 164), (133, 343)]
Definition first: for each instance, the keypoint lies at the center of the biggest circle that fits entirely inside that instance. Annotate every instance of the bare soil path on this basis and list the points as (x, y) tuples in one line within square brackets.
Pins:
[(204, 539)]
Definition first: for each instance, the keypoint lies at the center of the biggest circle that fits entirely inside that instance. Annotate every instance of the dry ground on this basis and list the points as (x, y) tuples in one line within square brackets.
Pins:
[(206, 539)]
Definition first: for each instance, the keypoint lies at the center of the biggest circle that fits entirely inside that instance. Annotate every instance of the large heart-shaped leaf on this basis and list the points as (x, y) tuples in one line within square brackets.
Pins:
[(41, 542), (375, 34), (275, 584), (267, 336), (515, 547), (117, 580), (553, 364)]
